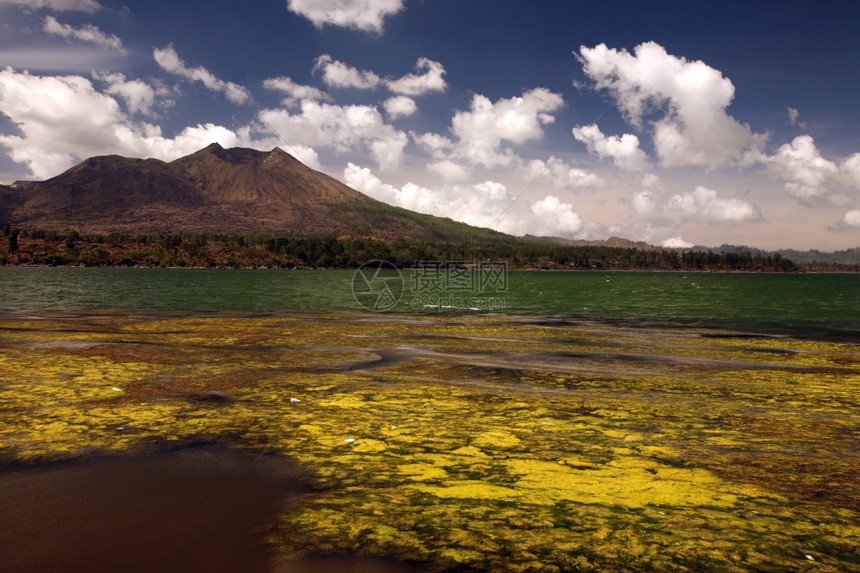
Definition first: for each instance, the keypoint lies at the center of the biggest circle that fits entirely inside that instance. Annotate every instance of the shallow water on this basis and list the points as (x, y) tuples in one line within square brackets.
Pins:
[(191, 509), (481, 441)]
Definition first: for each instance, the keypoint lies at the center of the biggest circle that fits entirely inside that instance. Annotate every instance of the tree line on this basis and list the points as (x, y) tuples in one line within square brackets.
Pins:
[(49, 247)]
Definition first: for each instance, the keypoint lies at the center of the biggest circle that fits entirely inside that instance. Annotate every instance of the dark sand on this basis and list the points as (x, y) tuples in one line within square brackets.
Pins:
[(191, 509)]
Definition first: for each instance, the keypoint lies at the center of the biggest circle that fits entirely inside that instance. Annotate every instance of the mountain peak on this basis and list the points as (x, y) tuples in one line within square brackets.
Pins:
[(236, 190), (215, 190)]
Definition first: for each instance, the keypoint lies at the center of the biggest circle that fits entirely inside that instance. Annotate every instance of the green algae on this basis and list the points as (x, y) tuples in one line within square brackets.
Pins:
[(482, 442)]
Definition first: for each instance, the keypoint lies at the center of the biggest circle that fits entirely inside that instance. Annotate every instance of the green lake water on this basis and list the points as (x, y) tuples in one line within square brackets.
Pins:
[(796, 304)]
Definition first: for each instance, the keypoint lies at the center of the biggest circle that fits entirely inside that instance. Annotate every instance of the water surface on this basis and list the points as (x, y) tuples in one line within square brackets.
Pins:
[(799, 304)]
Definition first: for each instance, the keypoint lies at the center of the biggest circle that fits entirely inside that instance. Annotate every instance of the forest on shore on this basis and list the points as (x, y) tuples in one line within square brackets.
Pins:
[(50, 248)]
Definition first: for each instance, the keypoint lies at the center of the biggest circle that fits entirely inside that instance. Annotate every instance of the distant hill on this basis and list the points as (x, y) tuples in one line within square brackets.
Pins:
[(844, 257), (613, 242), (215, 190)]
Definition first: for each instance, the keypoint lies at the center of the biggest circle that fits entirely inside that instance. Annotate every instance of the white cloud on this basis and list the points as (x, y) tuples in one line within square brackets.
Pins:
[(851, 219), (388, 151), (662, 220), (57, 116), (481, 131), (437, 145), (486, 204), (169, 60), (338, 74), (139, 96), (676, 243), (295, 92), (449, 171), (688, 98), (364, 15), (562, 175), (86, 33), (399, 106), (702, 205), (64, 119), (624, 150), (430, 81), (850, 170), (57, 5), (557, 218), (802, 167), (344, 128), (794, 117)]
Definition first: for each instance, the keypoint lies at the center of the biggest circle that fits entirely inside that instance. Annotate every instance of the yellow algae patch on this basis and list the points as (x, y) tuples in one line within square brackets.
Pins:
[(470, 451), (496, 439), (310, 428), (368, 445), (422, 472), (469, 489), (629, 482), (351, 401)]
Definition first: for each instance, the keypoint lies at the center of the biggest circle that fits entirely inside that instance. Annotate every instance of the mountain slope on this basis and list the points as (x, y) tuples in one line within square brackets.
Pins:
[(215, 190)]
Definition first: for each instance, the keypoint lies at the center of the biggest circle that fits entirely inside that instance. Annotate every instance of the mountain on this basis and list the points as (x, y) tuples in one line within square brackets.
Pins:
[(612, 242), (813, 256), (215, 190)]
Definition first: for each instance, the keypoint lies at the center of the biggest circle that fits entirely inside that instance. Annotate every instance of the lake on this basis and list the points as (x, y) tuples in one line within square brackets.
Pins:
[(801, 304)]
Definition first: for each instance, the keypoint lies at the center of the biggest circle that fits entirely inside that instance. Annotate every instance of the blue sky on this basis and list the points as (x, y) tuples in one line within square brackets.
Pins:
[(676, 123)]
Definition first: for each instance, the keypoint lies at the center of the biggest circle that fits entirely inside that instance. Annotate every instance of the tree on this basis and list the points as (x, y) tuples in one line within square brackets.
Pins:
[(13, 241)]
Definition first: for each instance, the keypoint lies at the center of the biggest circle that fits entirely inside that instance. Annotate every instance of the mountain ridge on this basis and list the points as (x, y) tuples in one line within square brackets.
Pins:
[(214, 190)]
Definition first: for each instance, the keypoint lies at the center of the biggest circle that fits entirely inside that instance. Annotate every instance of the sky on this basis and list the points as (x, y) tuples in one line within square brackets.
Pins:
[(676, 123)]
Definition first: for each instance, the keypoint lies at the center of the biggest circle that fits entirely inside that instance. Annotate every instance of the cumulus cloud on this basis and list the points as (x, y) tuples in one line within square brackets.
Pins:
[(343, 128), (688, 99), (702, 205), (662, 220), (56, 115), (485, 204), (850, 170), (86, 33), (364, 15), (800, 164), (851, 219), (339, 75), (624, 150), (399, 106), (139, 96), (481, 131), (57, 5), (295, 92), (417, 84), (562, 175), (170, 61), (62, 120), (556, 217), (448, 170)]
